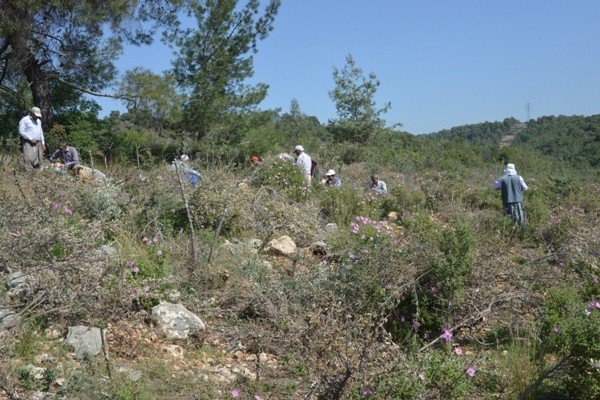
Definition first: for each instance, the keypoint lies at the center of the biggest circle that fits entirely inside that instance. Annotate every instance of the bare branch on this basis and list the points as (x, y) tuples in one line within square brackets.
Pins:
[(93, 93)]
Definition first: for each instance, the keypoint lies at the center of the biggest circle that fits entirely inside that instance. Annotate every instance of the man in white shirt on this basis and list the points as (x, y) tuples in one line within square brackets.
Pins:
[(303, 161), (32, 138)]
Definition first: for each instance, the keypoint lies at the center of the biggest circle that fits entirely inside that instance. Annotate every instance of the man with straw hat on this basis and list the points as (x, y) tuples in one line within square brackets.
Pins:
[(32, 139)]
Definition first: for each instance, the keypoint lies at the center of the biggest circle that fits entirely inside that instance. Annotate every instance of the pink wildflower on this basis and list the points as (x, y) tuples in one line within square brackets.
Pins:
[(257, 397), (155, 239), (587, 312), (54, 207), (68, 211), (146, 288), (235, 393), (470, 371), (136, 269), (367, 390), (90, 225), (415, 324), (130, 263), (144, 239), (159, 252), (555, 329), (447, 335), (458, 351)]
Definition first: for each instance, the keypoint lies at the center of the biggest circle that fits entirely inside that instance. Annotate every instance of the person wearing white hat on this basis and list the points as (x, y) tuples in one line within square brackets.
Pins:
[(303, 161), (331, 179), (32, 139), (512, 186)]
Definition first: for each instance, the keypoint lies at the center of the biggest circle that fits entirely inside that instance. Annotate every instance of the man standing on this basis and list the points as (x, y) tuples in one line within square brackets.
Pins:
[(303, 161), (67, 155), (378, 186), (331, 179), (32, 139), (512, 186)]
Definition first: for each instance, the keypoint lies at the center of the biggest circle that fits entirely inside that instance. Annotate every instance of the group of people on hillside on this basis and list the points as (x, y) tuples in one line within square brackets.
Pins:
[(511, 184), (65, 158)]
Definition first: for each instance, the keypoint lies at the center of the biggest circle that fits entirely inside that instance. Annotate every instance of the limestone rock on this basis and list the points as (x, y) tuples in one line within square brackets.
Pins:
[(16, 279), (175, 321), (173, 350), (284, 246), (86, 341), (319, 248), (37, 373), (331, 228), (393, 216), (132, 374), (8, 319)]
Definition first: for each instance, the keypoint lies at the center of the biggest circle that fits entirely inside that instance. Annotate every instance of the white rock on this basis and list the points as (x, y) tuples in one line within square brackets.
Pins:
[(173, 350), (282, 246), (175, 321), (331, 228), (86, 341), (36, 373)]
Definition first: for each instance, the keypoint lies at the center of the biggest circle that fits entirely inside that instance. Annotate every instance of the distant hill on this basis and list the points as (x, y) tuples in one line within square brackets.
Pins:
[(572, 139)]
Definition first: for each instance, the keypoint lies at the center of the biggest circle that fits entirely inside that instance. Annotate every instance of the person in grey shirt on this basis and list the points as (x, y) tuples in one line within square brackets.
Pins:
[(512, 186), (377, 185), (68, 156)]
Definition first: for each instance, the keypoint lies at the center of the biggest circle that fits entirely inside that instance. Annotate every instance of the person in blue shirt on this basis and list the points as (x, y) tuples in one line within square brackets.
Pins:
[(181, 165), (512, 186), (331, 179)]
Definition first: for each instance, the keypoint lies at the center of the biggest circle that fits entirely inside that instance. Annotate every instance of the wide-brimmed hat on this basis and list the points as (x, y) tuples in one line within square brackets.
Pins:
[(36, 111), (330, 173), (298, 148), (184, 157)]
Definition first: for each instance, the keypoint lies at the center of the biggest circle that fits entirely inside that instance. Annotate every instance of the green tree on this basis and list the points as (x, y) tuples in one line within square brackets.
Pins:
[(354, 95), (158, 102), (72, 43), (215, 59)]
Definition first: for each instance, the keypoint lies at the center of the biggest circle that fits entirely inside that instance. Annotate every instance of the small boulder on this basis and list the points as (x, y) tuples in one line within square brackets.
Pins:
[(319, 248), (17, 279), (36, 373), (8, 319), (393, 216), (173, 350), (331, 228), (86, 341), (175, 321), (283, 246)]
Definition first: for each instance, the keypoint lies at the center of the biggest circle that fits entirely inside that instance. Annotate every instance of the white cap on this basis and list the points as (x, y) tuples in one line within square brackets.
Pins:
[(330, 172), (184, 157), (510, 166), (299, 148), (36, 111)]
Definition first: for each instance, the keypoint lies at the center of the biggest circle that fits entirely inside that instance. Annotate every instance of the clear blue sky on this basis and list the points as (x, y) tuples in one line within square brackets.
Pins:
[(441, 63)]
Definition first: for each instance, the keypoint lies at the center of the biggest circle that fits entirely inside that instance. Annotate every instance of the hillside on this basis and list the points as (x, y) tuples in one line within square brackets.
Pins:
[(427, 292), (571, 139)]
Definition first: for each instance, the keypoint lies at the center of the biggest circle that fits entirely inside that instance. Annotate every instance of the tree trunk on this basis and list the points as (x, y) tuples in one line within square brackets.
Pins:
[(36, 77), (38, 84)]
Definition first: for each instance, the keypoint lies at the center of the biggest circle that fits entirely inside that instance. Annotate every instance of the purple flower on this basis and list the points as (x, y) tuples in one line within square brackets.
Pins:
[(155, 239), (68, 211), (447, 335), (159, 252), (130, 263), (471, 372), (415, 324), (587, 312), (426, 335), (555, 329), (257, 397), (402, 319), (367, 390), (146, 288), (561, 264), (136, 269), (144, 239), (458, 351), (54, 207), (235, 393), (434, 289), (324, 262), (90, 225)]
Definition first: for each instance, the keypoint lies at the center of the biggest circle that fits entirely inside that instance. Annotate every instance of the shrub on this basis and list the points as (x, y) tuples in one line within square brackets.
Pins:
[(285, 177), (569, 331)]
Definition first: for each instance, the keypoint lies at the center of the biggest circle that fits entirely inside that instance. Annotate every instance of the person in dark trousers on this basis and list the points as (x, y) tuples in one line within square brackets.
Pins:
[(512, 186)]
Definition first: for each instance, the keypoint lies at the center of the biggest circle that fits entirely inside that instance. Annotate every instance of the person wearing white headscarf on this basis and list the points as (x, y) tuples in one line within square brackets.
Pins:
[(512, 186)]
